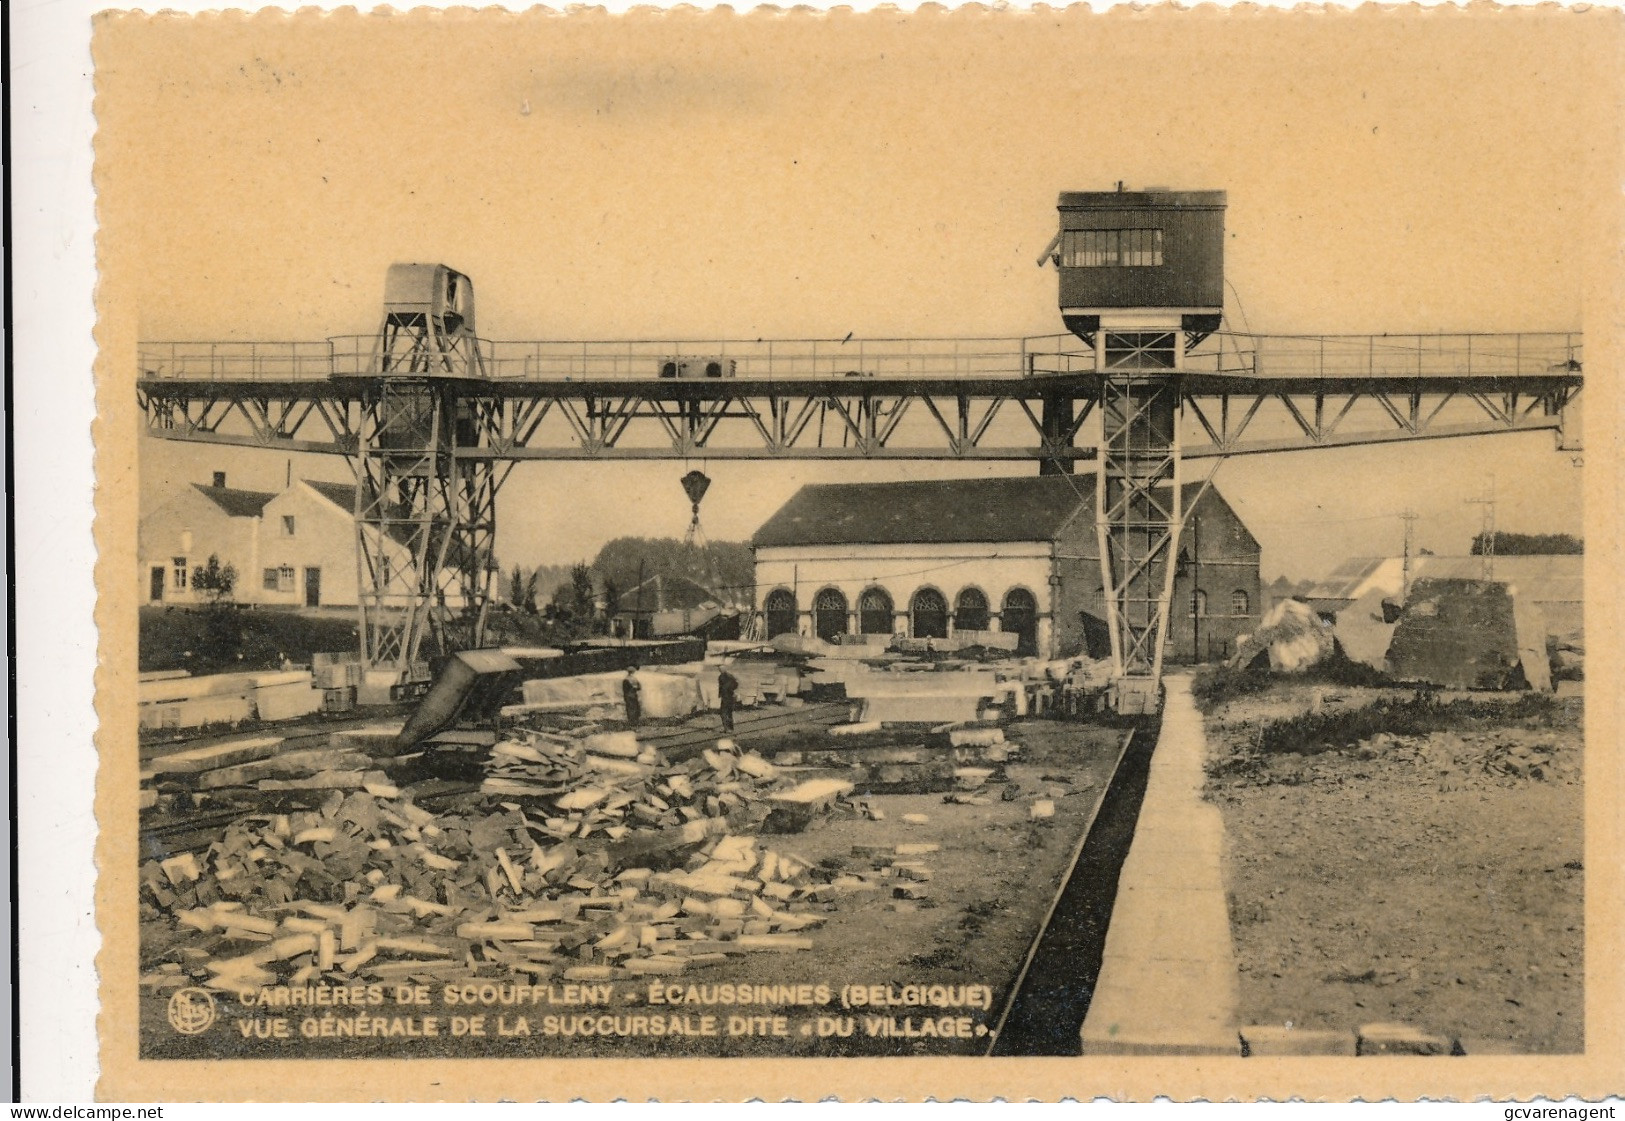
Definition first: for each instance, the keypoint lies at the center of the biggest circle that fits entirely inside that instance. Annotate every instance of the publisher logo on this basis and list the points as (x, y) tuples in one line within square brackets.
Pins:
[(191, 1011)]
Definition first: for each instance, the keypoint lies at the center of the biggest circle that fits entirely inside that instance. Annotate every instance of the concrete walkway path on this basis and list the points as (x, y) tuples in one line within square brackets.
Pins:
[(1168, 977)]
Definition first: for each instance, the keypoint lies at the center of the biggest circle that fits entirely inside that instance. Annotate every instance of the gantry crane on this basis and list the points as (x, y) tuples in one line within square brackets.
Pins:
[(432, 418)]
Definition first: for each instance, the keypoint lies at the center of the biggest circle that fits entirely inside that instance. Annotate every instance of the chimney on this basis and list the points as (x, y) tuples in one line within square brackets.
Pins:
[(220, 479)]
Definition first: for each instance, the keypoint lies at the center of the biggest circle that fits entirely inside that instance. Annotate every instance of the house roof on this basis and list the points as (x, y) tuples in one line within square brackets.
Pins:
[(666, 593), (341, 495), (236, 503), (935, 511)]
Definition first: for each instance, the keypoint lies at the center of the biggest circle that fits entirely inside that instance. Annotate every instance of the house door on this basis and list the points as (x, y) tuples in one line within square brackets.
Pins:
[(313, 587), (157, 576)]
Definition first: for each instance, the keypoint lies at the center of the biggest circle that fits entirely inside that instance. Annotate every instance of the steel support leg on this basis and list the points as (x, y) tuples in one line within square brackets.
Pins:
[(425, 526), (1137, 517)]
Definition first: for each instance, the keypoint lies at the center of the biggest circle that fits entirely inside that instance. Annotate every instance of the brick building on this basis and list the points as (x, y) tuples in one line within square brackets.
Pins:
[(1017, 554)]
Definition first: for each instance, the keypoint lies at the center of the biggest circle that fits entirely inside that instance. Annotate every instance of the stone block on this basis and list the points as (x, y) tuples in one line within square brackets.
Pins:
[(1401, 1039), (1276, 1039)]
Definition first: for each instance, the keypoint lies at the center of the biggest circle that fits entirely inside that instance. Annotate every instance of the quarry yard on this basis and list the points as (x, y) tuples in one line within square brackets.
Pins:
[(1404, 857), (785, 891)]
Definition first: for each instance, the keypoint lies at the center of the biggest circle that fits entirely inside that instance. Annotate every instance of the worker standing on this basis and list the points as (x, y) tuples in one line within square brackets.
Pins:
[(727, 697), (630, 690)]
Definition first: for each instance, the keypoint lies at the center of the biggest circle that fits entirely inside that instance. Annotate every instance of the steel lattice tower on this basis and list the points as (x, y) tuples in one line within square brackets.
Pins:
[(425, 518)]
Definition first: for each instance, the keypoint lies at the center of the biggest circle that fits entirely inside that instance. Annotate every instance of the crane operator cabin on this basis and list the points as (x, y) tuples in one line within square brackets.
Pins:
[(1141, 273)]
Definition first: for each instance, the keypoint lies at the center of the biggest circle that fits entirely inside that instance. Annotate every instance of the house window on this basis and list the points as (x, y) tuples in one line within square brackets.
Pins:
[(270, 581), (284, 578), (179, 574), (1139, 350), (1198, 602), (287, 525), (1239, 603), (1094, 249)]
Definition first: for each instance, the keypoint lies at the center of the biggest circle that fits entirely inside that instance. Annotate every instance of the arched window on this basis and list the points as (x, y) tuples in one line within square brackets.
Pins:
[(829, 614), (1019, 616), (970, 610), (1239, 603), (1198, 602), (930, 614), (875, 614), (780, 610)]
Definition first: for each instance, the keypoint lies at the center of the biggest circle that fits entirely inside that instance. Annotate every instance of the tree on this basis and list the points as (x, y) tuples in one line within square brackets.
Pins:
[(726, 567), (222, 640), (214, 581), (1530, 544), (522, 589), (582, 601)]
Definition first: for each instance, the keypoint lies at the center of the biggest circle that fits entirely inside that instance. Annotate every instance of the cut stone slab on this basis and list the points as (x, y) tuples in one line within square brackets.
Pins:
[(209, 758), (818, 791), (1478, 1045), (1266, 1040), (290, 764), (374, 739), (922, 709), (1401, 1039)]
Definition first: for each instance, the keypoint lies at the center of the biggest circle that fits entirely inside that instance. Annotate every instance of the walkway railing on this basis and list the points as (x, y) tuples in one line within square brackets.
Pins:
[(1421, 356), (1261, 356)]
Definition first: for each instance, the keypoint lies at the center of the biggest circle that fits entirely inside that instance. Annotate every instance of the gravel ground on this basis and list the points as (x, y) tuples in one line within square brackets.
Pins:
[(1432, 879)]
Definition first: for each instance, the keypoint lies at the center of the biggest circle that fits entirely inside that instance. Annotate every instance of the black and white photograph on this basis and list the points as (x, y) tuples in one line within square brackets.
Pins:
[(954, 539)]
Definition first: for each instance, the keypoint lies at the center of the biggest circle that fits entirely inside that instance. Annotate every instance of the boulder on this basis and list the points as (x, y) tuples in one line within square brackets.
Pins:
[(1291, 636)]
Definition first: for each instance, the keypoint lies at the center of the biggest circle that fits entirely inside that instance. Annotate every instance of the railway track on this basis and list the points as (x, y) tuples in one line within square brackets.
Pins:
[(1044, 1011)]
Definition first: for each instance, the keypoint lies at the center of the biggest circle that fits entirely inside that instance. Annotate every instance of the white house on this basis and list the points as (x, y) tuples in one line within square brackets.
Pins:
[(307, 555), (293, 549), (196, 522)]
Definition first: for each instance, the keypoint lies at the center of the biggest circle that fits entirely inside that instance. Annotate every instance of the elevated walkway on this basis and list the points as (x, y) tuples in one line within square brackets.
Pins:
[(1225, 358), (1168, 981)]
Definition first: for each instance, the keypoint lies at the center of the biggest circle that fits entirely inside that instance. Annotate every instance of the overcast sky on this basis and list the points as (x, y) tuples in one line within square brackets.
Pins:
[(887, 177)]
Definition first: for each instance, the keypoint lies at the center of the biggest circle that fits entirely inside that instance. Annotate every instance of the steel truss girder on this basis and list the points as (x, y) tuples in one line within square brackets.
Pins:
[(1317, 417), (746, 421)]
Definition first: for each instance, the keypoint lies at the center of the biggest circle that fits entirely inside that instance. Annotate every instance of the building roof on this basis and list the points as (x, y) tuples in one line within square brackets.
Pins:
[(938, 511), (236, 503), (1552, 579), (935, 511), (666, 593)]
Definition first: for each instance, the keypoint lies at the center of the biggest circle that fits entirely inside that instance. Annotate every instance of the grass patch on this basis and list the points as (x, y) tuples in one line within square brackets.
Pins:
[(1216, 685), (256, 639), (1314, 733)]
